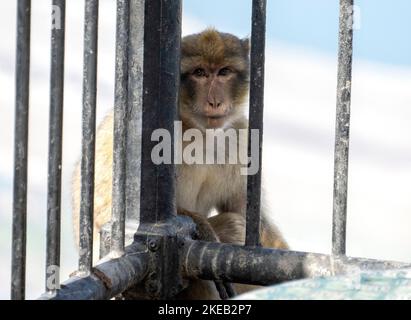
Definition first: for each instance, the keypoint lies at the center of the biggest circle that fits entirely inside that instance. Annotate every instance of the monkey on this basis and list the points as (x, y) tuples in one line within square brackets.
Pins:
[(213, 92)]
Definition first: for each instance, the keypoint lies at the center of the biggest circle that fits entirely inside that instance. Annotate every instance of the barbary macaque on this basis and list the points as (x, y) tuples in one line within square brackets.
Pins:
[(213, 94)]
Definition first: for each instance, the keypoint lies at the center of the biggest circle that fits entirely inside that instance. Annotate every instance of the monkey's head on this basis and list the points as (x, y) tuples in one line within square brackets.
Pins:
[(214, 79)]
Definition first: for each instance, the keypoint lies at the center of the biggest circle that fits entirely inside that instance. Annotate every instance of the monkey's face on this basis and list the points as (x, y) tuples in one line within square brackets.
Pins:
[(214, 79)]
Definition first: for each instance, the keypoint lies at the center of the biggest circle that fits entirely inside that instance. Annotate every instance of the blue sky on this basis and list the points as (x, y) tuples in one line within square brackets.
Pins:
[(384, 35)]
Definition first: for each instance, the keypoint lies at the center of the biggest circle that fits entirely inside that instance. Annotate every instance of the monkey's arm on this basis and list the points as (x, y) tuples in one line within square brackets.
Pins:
[(204, 229)]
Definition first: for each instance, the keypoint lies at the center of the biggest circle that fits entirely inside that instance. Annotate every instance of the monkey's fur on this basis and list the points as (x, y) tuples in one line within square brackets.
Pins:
[(214, 87)]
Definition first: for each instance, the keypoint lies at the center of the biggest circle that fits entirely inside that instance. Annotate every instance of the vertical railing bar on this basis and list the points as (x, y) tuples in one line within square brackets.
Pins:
[(88, 136), (256, 118), (342, 127), (162, 37), (135, 101), (18, 260), (55, 144), (120, 124)]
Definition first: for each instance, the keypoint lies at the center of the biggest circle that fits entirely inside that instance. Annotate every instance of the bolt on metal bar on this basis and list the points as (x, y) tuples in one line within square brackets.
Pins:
[(256, 118), (135, 101), (264, 266), (18, 264), (342, 129), (88, 136), (55, 142), (120, 124), (162, 38)]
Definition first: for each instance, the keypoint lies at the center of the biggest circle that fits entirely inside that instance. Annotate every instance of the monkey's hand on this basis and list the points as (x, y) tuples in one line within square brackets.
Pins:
[(204, 229), (206, 232)]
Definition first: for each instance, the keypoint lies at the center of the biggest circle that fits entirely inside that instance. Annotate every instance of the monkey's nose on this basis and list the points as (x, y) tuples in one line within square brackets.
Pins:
[(214, 104)]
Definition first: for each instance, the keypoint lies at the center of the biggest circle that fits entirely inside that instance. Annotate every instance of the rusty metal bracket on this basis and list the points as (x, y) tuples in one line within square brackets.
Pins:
[(164, 241)]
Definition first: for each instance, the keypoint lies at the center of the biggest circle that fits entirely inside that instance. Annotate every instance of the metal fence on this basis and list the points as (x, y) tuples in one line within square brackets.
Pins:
[(162, 254)]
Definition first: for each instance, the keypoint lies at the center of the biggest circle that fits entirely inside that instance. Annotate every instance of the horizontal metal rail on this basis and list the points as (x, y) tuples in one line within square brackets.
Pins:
[(106, 279), (212, 261), (264, 266)]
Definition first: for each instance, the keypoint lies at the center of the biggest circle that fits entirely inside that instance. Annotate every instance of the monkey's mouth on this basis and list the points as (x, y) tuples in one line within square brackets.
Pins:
[(220, 116), (216, 121)]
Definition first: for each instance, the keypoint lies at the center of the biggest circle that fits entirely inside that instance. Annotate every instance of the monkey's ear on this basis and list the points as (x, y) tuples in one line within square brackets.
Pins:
[(245, 43)]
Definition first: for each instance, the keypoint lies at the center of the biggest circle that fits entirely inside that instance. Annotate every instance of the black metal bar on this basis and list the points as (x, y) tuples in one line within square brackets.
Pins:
[(55, 143), (135, 101), (107, 279), (18, 260), (342, 130), (263, 266), (120, 124), (162, 37), (88, 136), (256, 119)]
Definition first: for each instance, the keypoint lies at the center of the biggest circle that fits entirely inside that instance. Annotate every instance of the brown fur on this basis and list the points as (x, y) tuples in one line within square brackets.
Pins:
[(200, 188), (212, 51), (102, 180)]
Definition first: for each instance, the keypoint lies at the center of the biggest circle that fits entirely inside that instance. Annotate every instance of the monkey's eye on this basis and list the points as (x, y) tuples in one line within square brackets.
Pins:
[(224, 72), (199, 72)]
